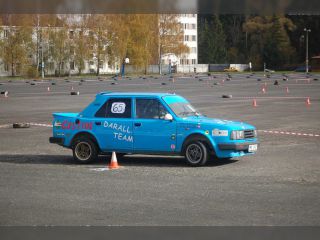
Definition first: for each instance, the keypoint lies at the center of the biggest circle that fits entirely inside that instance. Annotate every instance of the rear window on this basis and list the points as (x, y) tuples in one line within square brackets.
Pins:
[(115, 108)]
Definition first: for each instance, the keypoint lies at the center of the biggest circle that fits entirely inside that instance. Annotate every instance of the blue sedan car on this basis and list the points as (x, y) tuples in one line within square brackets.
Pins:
[(150, 123)]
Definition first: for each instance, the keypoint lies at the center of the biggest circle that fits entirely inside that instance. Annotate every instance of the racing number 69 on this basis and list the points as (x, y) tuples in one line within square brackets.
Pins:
[(118, 107)]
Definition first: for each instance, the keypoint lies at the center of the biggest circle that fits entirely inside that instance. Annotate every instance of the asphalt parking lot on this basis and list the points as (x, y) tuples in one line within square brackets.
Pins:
[(280, 185)]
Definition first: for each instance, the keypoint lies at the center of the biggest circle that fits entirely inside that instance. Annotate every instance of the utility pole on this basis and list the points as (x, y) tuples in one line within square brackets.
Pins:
[(38, 44), (307, 48), (42, 62)]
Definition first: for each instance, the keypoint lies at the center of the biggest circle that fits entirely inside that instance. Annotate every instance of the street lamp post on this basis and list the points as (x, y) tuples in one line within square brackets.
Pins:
[(42, 62), (307, 48)]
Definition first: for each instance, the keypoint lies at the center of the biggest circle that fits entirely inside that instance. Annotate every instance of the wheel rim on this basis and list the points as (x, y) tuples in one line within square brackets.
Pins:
[(83, 151), (194, 153)]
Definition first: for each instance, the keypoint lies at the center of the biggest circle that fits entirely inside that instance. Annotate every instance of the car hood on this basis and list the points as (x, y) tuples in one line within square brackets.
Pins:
[(214, 122)]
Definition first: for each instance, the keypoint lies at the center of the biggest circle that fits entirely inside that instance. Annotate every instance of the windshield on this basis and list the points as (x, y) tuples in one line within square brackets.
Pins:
[(181, 107)]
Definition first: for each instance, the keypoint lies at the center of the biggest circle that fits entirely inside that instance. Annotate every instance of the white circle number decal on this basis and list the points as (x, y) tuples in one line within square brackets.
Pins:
[(118, 107)]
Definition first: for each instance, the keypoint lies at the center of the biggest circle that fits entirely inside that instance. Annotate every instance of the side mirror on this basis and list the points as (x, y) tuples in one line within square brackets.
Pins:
[(168, 117)]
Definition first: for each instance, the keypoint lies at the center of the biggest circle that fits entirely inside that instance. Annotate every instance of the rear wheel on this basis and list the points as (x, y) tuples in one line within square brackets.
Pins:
[(84, 150), (196, 153)]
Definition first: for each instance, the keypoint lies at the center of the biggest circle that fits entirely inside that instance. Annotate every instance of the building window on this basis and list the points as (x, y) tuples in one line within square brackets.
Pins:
[(91, 63), (193, 50), (192, 38), (51, 65), (72, 65), (72, 50), (193, 61), (71, 34), (101, 64), (5, 33), (184, 61), (190, 26), (6, 67)]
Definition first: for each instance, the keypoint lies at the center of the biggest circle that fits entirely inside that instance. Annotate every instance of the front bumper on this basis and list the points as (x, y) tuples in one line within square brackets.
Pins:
[(236, 146), (56, 140)]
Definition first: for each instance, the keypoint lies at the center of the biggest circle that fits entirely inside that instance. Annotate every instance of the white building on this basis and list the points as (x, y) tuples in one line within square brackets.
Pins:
[(190, 38), (190, 28)]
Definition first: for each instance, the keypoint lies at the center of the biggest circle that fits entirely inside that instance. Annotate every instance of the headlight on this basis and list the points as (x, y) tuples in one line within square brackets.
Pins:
[(237, 135), (255, 132)]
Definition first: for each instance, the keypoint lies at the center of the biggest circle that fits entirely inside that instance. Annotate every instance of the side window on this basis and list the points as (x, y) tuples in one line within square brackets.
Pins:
[(115, 108), (150, 109)]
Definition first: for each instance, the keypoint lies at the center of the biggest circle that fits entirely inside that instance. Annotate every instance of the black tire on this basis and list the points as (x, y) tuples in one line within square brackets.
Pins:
[(196, 154), (84, 150), (21, 125)]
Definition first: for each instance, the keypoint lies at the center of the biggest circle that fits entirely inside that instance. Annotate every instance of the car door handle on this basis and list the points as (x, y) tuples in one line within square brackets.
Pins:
[(137, 124), (98, 123)]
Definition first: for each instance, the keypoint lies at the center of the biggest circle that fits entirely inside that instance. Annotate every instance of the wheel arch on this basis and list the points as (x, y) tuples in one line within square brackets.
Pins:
[(85, 134), (198, 137)]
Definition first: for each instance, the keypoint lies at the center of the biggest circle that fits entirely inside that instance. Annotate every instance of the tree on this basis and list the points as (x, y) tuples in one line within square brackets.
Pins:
[(143, 37), (235, 38), (59, 46), (100, 27), (269, 41), (170, 38), (81, 43), (212, 42), (17, 42)]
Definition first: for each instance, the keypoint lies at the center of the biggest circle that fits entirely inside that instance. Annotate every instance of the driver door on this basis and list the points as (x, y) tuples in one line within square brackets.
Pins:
[(152, 133)]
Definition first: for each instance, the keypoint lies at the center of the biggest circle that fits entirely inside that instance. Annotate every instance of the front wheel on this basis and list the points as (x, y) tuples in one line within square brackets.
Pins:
[(196, 154), (84, 150)]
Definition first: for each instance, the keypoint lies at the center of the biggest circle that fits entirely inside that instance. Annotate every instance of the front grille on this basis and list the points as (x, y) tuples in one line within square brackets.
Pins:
[(248, 133)]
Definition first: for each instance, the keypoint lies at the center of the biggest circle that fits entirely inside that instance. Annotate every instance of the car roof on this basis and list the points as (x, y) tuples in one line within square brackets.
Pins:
[(136, 94)]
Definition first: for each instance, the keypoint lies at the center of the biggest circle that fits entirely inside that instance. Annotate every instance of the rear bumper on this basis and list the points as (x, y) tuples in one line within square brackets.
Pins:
[(236, 146), (56, 140)]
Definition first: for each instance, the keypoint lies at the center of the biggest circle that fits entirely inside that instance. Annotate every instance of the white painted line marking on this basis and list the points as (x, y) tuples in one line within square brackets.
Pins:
[(41, 125), (100, 169), (290, 133)]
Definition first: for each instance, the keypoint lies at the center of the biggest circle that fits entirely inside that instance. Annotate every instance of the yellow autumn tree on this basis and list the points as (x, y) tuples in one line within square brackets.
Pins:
[(16, 43)]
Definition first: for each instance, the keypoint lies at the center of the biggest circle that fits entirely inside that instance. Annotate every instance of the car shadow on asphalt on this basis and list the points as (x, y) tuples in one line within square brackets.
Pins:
[(129, 160)]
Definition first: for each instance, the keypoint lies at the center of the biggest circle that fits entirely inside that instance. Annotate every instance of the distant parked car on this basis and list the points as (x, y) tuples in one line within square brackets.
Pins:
[(150, 123), (230, 69)]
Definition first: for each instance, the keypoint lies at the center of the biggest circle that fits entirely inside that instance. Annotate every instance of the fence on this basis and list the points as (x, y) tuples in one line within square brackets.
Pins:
[(151, 69), (198, 68)]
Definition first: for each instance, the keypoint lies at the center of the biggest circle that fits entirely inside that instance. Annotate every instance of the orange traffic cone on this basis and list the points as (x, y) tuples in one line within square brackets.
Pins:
[(308, 102), (114, 162), (254, 103)]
